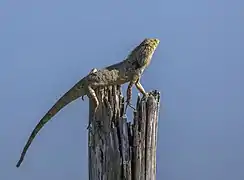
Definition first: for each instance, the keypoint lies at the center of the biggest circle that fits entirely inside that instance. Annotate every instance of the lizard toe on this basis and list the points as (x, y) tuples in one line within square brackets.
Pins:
[(145, 96)]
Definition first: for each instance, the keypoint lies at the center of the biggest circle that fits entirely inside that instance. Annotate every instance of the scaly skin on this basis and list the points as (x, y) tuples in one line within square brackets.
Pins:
[(129, 70), (141, 55)]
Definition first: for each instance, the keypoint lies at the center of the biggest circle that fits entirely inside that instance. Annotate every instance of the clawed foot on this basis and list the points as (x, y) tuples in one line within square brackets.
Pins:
[(89, 126), (130, 105), (145, 96)]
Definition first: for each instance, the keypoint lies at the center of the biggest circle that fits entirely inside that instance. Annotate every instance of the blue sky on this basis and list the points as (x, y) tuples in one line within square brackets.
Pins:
[(47, 46)]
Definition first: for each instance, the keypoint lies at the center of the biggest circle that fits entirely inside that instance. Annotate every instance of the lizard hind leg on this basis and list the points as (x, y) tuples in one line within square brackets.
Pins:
[(92, 95), (93, 70)]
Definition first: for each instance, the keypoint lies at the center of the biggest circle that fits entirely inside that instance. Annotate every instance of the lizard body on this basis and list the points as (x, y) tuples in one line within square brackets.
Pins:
[(128, 70)]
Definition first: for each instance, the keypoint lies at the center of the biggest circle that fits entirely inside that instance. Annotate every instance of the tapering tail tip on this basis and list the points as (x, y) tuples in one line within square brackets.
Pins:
[(19, 162)]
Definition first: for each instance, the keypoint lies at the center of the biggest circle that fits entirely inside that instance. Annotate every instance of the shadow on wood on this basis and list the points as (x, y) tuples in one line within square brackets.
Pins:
[(118, 149)]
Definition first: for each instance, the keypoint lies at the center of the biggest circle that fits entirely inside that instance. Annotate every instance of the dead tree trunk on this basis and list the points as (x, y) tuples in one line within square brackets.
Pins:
[(120, 150)]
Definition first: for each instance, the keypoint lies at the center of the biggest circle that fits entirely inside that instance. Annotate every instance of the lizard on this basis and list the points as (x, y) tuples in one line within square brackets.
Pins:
[(128, 70), (142, 63)]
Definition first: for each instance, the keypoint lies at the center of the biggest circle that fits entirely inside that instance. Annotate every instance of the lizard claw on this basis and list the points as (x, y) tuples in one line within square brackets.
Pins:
[(145, 96), (89, 126), (130, 105)]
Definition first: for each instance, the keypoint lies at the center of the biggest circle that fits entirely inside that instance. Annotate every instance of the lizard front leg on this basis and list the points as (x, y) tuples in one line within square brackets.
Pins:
[(129, 92), (129, 96), (92, 95), (140, 88)]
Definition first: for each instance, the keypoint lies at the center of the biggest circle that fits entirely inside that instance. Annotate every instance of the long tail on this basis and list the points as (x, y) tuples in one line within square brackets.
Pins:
[(67, 98)]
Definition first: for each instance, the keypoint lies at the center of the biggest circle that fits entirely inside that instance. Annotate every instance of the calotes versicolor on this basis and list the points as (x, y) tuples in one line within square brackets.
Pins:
[(126, 71)]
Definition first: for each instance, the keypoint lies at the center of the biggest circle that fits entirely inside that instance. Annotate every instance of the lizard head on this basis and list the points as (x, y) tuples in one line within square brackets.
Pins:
[(143, 53), (152, 42)]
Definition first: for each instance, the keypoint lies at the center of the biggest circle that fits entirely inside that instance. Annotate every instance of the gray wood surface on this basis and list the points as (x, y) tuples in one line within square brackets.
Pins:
[(118, 149)]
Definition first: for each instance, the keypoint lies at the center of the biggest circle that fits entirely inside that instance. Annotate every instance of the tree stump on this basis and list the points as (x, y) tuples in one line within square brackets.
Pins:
[(118, 149)]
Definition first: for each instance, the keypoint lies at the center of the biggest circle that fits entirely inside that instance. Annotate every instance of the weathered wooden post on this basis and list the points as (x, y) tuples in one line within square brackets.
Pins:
[(120, 150)]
